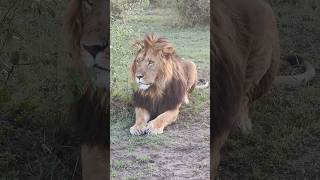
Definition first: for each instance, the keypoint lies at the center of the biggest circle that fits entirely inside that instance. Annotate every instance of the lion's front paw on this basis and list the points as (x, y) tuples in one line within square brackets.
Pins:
[(137, 130), (186, 100), (245, 127), (151, 129)]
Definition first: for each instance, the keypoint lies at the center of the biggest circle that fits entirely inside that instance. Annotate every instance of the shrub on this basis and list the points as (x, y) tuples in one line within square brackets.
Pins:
[(122, 8), (193, 12), (162, 3)]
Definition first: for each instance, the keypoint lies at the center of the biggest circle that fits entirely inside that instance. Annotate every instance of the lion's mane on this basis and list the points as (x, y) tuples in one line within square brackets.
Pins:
[(170, 85)]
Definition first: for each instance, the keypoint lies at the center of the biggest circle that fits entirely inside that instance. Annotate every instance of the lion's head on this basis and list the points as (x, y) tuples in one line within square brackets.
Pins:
[(155, 63), (86, 23)]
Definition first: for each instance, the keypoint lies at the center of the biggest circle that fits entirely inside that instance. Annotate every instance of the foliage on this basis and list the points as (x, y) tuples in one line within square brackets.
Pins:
[(314, 4), (162, 3), (193, 13), (121, 9), (37, 85)]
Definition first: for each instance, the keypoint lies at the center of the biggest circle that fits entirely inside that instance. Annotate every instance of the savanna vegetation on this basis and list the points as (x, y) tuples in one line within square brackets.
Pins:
[(37, 85)]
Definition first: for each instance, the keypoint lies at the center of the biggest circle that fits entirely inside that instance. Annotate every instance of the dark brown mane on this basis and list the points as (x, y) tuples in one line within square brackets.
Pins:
[(90, 116), (172, 96)]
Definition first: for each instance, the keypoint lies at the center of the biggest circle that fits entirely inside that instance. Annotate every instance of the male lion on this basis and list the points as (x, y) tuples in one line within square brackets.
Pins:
[(245, 55), (164, 81), (86, 24)]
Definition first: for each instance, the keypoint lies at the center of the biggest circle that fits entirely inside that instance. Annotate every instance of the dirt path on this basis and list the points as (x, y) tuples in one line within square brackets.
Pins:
[(186, 156)]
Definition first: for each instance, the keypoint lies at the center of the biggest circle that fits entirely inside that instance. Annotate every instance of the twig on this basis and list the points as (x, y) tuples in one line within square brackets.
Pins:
[(75, 169), (9, 74)]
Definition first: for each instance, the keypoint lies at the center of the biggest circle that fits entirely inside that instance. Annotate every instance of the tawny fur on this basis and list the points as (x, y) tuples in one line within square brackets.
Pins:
[(246, 55)]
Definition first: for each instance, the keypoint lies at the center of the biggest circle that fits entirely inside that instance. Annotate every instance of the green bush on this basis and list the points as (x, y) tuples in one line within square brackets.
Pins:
[(120, 9), (193, 12), (313, 4), (162, 3)]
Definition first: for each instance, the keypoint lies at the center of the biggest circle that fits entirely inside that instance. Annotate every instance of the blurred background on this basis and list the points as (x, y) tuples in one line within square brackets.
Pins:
[(37, 85)]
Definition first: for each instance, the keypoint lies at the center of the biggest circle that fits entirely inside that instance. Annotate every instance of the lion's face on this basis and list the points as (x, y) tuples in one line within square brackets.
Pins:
[(153, 64), (146, 68), (87, 23)]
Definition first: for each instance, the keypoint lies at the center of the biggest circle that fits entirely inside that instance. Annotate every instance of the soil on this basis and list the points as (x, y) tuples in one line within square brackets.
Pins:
[(188, 155)]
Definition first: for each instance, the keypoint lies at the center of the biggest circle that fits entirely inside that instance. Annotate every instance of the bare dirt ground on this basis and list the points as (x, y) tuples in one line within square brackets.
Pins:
[(185, 156)]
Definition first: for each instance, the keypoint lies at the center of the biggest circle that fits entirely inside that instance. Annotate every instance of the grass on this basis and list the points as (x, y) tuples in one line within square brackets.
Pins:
[(190, 43), (284, 143)]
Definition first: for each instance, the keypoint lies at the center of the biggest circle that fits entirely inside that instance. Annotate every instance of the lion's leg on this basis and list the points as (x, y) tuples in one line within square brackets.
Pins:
[(94, 159), (142, 117), (218, 142), (186, 99), (157, 125), (244, 122)]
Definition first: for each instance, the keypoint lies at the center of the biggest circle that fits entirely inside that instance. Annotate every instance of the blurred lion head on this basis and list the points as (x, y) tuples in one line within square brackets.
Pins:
[(86, 25)]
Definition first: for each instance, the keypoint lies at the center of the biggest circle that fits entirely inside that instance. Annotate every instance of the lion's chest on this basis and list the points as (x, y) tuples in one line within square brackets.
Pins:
[(172, 96)]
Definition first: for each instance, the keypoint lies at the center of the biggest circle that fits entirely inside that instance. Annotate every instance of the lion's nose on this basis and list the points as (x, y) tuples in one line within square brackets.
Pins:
[(139, 76), (94, 49)]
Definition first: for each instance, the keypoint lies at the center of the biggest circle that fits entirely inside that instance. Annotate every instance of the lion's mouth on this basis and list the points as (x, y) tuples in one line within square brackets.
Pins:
[(143, 86)]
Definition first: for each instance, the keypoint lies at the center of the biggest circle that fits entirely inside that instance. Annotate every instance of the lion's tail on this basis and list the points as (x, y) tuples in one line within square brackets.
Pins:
[(299, 79)]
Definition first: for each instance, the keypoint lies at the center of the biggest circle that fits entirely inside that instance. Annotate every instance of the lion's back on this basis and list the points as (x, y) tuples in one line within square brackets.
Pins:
[(190, 72)]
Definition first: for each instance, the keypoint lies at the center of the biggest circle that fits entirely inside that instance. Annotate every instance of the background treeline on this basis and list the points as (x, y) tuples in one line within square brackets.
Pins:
[(190, 12)]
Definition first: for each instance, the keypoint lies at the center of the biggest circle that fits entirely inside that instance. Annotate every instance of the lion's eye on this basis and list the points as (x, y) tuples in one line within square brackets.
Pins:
[(150, 63)]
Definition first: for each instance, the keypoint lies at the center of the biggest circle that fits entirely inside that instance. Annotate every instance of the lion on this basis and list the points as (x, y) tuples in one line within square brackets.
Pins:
[(164, 81), (86, 24), (246, 56)]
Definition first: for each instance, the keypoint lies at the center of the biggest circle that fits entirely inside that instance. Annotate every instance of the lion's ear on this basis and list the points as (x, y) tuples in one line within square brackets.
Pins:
[(138, 44), (168, 51)]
